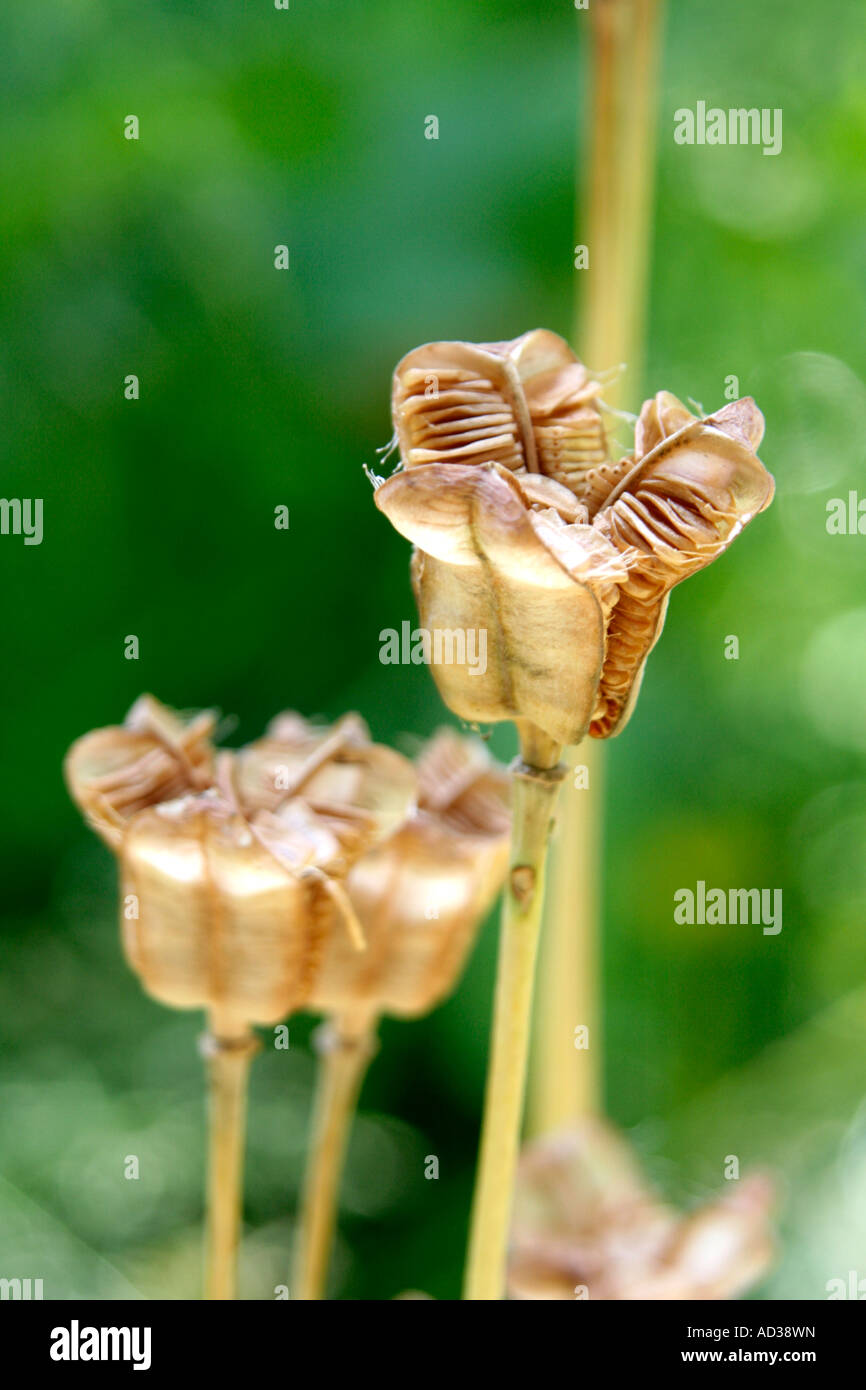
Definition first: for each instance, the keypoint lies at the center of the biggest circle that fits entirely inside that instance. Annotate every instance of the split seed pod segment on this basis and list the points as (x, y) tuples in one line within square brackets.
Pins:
[(421, 895), (420, 898), (233, 868)]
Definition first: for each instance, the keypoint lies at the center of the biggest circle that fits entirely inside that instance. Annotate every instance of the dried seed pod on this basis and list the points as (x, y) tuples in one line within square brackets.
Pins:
[(422, 895), (585, 1216), (527, 532), (231, 890)]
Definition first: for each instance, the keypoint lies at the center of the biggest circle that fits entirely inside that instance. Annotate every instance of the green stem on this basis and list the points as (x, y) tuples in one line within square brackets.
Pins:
[(625, 40), (228, 1053), (345, 1047), (536, 779), (566, 1066), (624, 37)]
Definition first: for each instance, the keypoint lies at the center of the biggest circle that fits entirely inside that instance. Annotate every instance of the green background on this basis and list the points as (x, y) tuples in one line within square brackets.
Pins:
[(261, 388)]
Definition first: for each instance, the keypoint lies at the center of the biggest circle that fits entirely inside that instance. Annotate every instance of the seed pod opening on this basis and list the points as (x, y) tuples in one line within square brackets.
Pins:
[(527, 404)]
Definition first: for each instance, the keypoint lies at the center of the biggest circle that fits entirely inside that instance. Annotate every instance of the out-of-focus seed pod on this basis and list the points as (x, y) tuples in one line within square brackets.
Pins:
[(421, 896), (233, 866), (586, 1219)]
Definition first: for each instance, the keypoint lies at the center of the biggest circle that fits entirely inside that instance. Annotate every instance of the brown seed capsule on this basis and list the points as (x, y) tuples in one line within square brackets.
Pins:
[(585, 1219), (233, 866), (421, 896), (525, 530)]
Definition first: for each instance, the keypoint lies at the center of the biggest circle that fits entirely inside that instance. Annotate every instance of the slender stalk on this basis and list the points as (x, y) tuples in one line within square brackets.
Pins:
[(536, 778), (624, 54), (624, 42), (228, 1050), (345, 1047), (566, 1071)]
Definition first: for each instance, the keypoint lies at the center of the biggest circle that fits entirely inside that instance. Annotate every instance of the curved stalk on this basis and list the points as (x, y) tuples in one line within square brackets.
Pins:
[(536, 778), (345, 1046), (228, 1052)]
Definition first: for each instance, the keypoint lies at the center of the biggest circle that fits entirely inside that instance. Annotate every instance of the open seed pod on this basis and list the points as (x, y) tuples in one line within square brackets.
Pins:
[(586, 1224), (422, 895), (231, 889), (524, 529)]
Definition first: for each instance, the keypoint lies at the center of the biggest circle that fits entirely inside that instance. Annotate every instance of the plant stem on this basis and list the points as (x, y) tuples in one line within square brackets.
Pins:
[(535, 781), (624, 46), (228, 1050), (345, 1047), (566, 1068), (625, 39)]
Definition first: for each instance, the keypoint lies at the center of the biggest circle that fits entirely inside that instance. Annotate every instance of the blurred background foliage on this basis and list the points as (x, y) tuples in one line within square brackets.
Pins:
[(261, 388)]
